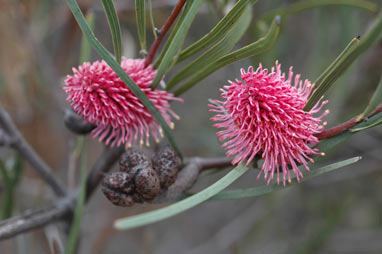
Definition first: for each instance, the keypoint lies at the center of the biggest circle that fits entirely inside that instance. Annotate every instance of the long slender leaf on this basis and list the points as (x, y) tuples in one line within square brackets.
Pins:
[(218, 50), (115, 29), (10, 179), (218, 31), (85, 46), (181, 206), (375, 100), (140, 12), (258, 191), (7, 202), (150, 7), (177, 41), (76, 224), (344, 63), (258, 47), (304, 5), (120, 72), (352, 44)]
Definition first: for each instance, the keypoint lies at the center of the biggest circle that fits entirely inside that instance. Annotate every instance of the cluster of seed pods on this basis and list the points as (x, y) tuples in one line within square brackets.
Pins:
[(140, 178)]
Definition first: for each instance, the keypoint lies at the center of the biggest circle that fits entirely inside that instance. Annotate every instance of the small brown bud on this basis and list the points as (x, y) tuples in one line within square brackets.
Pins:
[(167, 164), (131, 158)]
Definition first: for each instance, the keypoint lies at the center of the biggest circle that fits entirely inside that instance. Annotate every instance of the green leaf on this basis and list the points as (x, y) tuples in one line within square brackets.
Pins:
[(120, 72), (10, 178), (258, 47), (218, 50), (152, 18), (85, 46), (218, 31), (76, 223), (140, 11), (343, 62), (374, 102), (259, 191), (181, 206), (177, 40), (7, 201), (304, 5), (115, 29)]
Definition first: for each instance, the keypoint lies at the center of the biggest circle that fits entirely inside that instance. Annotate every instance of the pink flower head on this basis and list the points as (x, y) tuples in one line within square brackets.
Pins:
[(96, 93), (264, 114)]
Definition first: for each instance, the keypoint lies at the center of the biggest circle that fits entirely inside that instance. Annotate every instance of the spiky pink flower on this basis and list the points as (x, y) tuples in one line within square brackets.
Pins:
[(97, 94), (263, 114)]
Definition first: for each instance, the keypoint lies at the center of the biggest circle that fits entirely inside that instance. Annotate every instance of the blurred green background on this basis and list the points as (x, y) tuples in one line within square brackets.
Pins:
[(339, 212)]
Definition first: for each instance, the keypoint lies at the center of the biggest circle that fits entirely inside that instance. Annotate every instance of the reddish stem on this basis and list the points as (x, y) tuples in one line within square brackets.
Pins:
[(345, 126), (163, 31)]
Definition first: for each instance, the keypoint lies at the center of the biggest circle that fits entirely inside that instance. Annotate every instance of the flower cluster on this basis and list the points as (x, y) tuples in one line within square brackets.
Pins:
[(263, 114), (97, 94)]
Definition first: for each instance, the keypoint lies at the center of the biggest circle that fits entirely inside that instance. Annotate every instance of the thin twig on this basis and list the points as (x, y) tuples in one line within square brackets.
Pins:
[(345, 126), (64, 206), (35, 218), (27, 152), (163, 31)]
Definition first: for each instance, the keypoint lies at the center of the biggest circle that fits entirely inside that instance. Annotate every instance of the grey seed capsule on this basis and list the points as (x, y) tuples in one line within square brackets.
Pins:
[(131, 158), (146, 182), (167, 164)]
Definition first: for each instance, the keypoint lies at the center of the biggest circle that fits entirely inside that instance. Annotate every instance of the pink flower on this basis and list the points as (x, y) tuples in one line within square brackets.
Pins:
[(96, 93), (263, 114)]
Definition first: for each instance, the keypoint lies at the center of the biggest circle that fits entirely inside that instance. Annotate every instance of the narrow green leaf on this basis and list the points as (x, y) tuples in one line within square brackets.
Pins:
[(7, 200), (304, 5), (140, 12), (181, 206), (258, 47), (115, 29), (375, 100), (76, 223), (218, 31), (177, 41), (352, 44), (219, 49), (259, 191), (150, 7), (345, 61), (120, 72), (85, 46)]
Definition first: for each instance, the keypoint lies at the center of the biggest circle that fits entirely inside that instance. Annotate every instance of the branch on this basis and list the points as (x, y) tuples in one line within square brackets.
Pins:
[(41, 217), (35, 218), (346, 125), (27, 152), (188, 175), (163, 31)]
